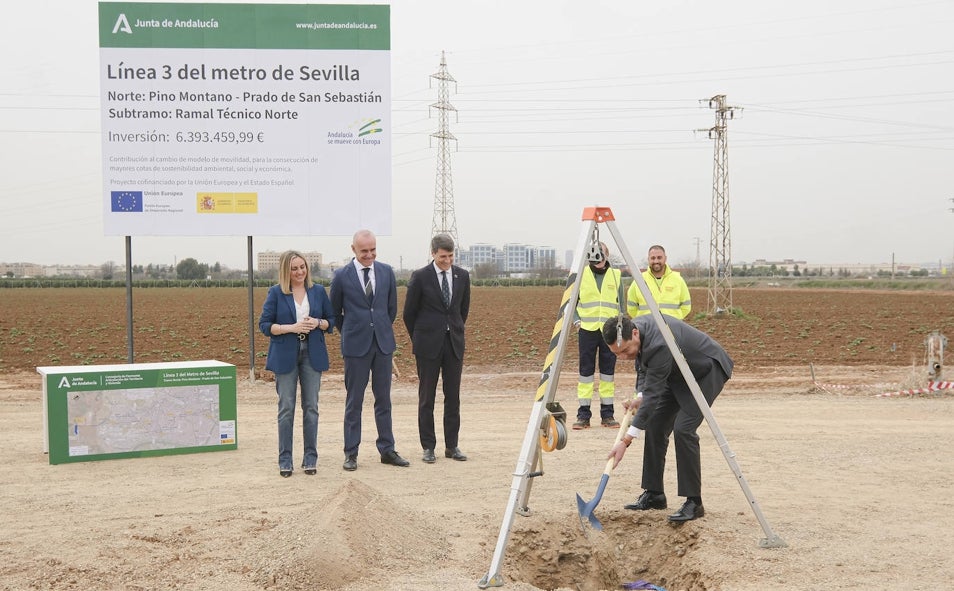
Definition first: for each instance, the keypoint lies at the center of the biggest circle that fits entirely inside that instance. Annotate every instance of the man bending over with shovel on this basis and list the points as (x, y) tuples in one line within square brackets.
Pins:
[(667, 404)]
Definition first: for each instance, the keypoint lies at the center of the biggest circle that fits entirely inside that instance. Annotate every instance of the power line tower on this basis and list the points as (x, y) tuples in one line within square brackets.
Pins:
[(444, 220), (720, 237)]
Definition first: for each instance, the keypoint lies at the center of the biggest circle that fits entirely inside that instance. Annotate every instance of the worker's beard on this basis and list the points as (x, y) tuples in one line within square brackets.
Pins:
[(598, 270)]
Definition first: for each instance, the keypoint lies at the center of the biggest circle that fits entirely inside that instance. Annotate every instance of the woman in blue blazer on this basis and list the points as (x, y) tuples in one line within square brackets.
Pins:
[(296, 315)]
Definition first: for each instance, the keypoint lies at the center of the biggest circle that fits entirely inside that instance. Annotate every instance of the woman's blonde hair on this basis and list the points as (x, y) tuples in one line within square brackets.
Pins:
[(284, 270)]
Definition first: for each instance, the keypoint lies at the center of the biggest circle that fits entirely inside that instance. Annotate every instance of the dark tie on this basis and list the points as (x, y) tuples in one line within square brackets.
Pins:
[(367, 283), (445, 290)]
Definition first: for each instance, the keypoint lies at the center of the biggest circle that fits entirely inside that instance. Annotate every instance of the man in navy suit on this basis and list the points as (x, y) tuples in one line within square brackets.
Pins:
[(435, 310), (364, 301)]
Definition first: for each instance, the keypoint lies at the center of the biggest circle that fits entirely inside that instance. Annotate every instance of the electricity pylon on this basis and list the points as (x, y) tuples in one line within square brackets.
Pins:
[(720, 237), (444, 220)]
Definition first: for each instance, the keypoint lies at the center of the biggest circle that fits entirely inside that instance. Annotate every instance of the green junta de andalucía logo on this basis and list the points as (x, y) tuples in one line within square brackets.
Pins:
[(122, 25)]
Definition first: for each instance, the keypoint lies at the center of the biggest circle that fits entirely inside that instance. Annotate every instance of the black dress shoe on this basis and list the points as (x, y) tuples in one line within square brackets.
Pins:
[(429, 457), (285, 472), (350, 463), (311, 470), (690, 510), (648, 500), (394, 459), (454, 453)]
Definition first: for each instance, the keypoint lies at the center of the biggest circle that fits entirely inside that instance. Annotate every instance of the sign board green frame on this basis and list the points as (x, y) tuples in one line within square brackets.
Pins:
[(102, 412)]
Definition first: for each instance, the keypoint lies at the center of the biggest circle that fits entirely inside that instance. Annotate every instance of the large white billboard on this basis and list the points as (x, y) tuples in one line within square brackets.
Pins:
[(245, 119)]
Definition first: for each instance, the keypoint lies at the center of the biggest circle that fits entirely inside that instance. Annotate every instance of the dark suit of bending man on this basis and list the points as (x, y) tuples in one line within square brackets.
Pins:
[(436, 329), (364, 301), (668, 406)]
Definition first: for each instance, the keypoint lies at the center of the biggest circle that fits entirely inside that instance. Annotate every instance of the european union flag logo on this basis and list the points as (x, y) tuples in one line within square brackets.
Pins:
[(126, 200)]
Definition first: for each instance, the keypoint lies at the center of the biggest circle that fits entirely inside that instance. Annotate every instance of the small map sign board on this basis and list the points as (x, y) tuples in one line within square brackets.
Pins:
[(102, 412)]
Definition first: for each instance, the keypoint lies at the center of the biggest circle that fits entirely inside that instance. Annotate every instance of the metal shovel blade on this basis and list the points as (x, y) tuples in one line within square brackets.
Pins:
[(586, 509)]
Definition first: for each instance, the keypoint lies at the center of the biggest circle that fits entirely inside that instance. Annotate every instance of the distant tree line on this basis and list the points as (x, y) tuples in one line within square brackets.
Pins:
[(883, 282), (830, 272), (190, 270)]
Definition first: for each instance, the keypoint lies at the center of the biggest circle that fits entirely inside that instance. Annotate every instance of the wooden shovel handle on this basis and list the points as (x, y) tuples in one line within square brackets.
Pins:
[(623, 427)]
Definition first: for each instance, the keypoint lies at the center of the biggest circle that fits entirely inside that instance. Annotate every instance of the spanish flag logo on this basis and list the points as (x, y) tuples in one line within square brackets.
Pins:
[(226, 203)]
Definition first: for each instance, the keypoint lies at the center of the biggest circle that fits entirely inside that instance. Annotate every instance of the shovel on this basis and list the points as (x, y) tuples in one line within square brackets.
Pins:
[(586, 508)]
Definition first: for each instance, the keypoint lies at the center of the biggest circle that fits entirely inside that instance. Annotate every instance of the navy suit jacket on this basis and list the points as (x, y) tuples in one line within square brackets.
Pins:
[(279, 308), (427, 318), (361, 323)]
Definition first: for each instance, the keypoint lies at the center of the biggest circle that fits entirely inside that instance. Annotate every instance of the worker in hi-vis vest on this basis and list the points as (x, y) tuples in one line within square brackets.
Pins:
[(601, 297), (668, 287)]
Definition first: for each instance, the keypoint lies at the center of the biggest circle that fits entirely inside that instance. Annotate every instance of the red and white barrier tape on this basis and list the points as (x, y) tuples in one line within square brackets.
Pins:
[(931, 387), (848, 386)]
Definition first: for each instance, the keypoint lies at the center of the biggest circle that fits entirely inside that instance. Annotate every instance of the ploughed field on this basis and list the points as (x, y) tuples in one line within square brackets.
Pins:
[(509, 328)]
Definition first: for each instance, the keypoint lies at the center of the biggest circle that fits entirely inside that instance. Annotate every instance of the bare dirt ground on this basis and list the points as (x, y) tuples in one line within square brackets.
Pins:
[(857, 486)]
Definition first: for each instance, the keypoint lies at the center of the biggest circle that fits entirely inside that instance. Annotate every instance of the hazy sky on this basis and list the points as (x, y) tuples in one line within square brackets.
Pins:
[(842, 150)]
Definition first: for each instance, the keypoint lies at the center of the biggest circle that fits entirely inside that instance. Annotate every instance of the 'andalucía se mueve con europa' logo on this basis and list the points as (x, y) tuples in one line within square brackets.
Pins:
[(126, 201), (357, 132), (369, 127)]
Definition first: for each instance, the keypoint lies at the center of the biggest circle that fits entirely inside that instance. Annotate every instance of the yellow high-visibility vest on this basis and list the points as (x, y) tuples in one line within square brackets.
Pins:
[(670, 292), (596, 306)]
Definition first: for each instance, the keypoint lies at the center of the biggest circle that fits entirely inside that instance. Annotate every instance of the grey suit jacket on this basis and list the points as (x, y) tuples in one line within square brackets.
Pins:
[(657, 367)]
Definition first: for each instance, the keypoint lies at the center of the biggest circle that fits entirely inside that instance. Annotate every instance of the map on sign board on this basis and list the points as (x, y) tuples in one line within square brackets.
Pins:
[(140, 419)]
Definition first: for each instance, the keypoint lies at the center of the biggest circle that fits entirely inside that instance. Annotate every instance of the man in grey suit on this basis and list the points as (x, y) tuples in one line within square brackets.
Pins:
[(667, 404), (435, 310), (364, 301)]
